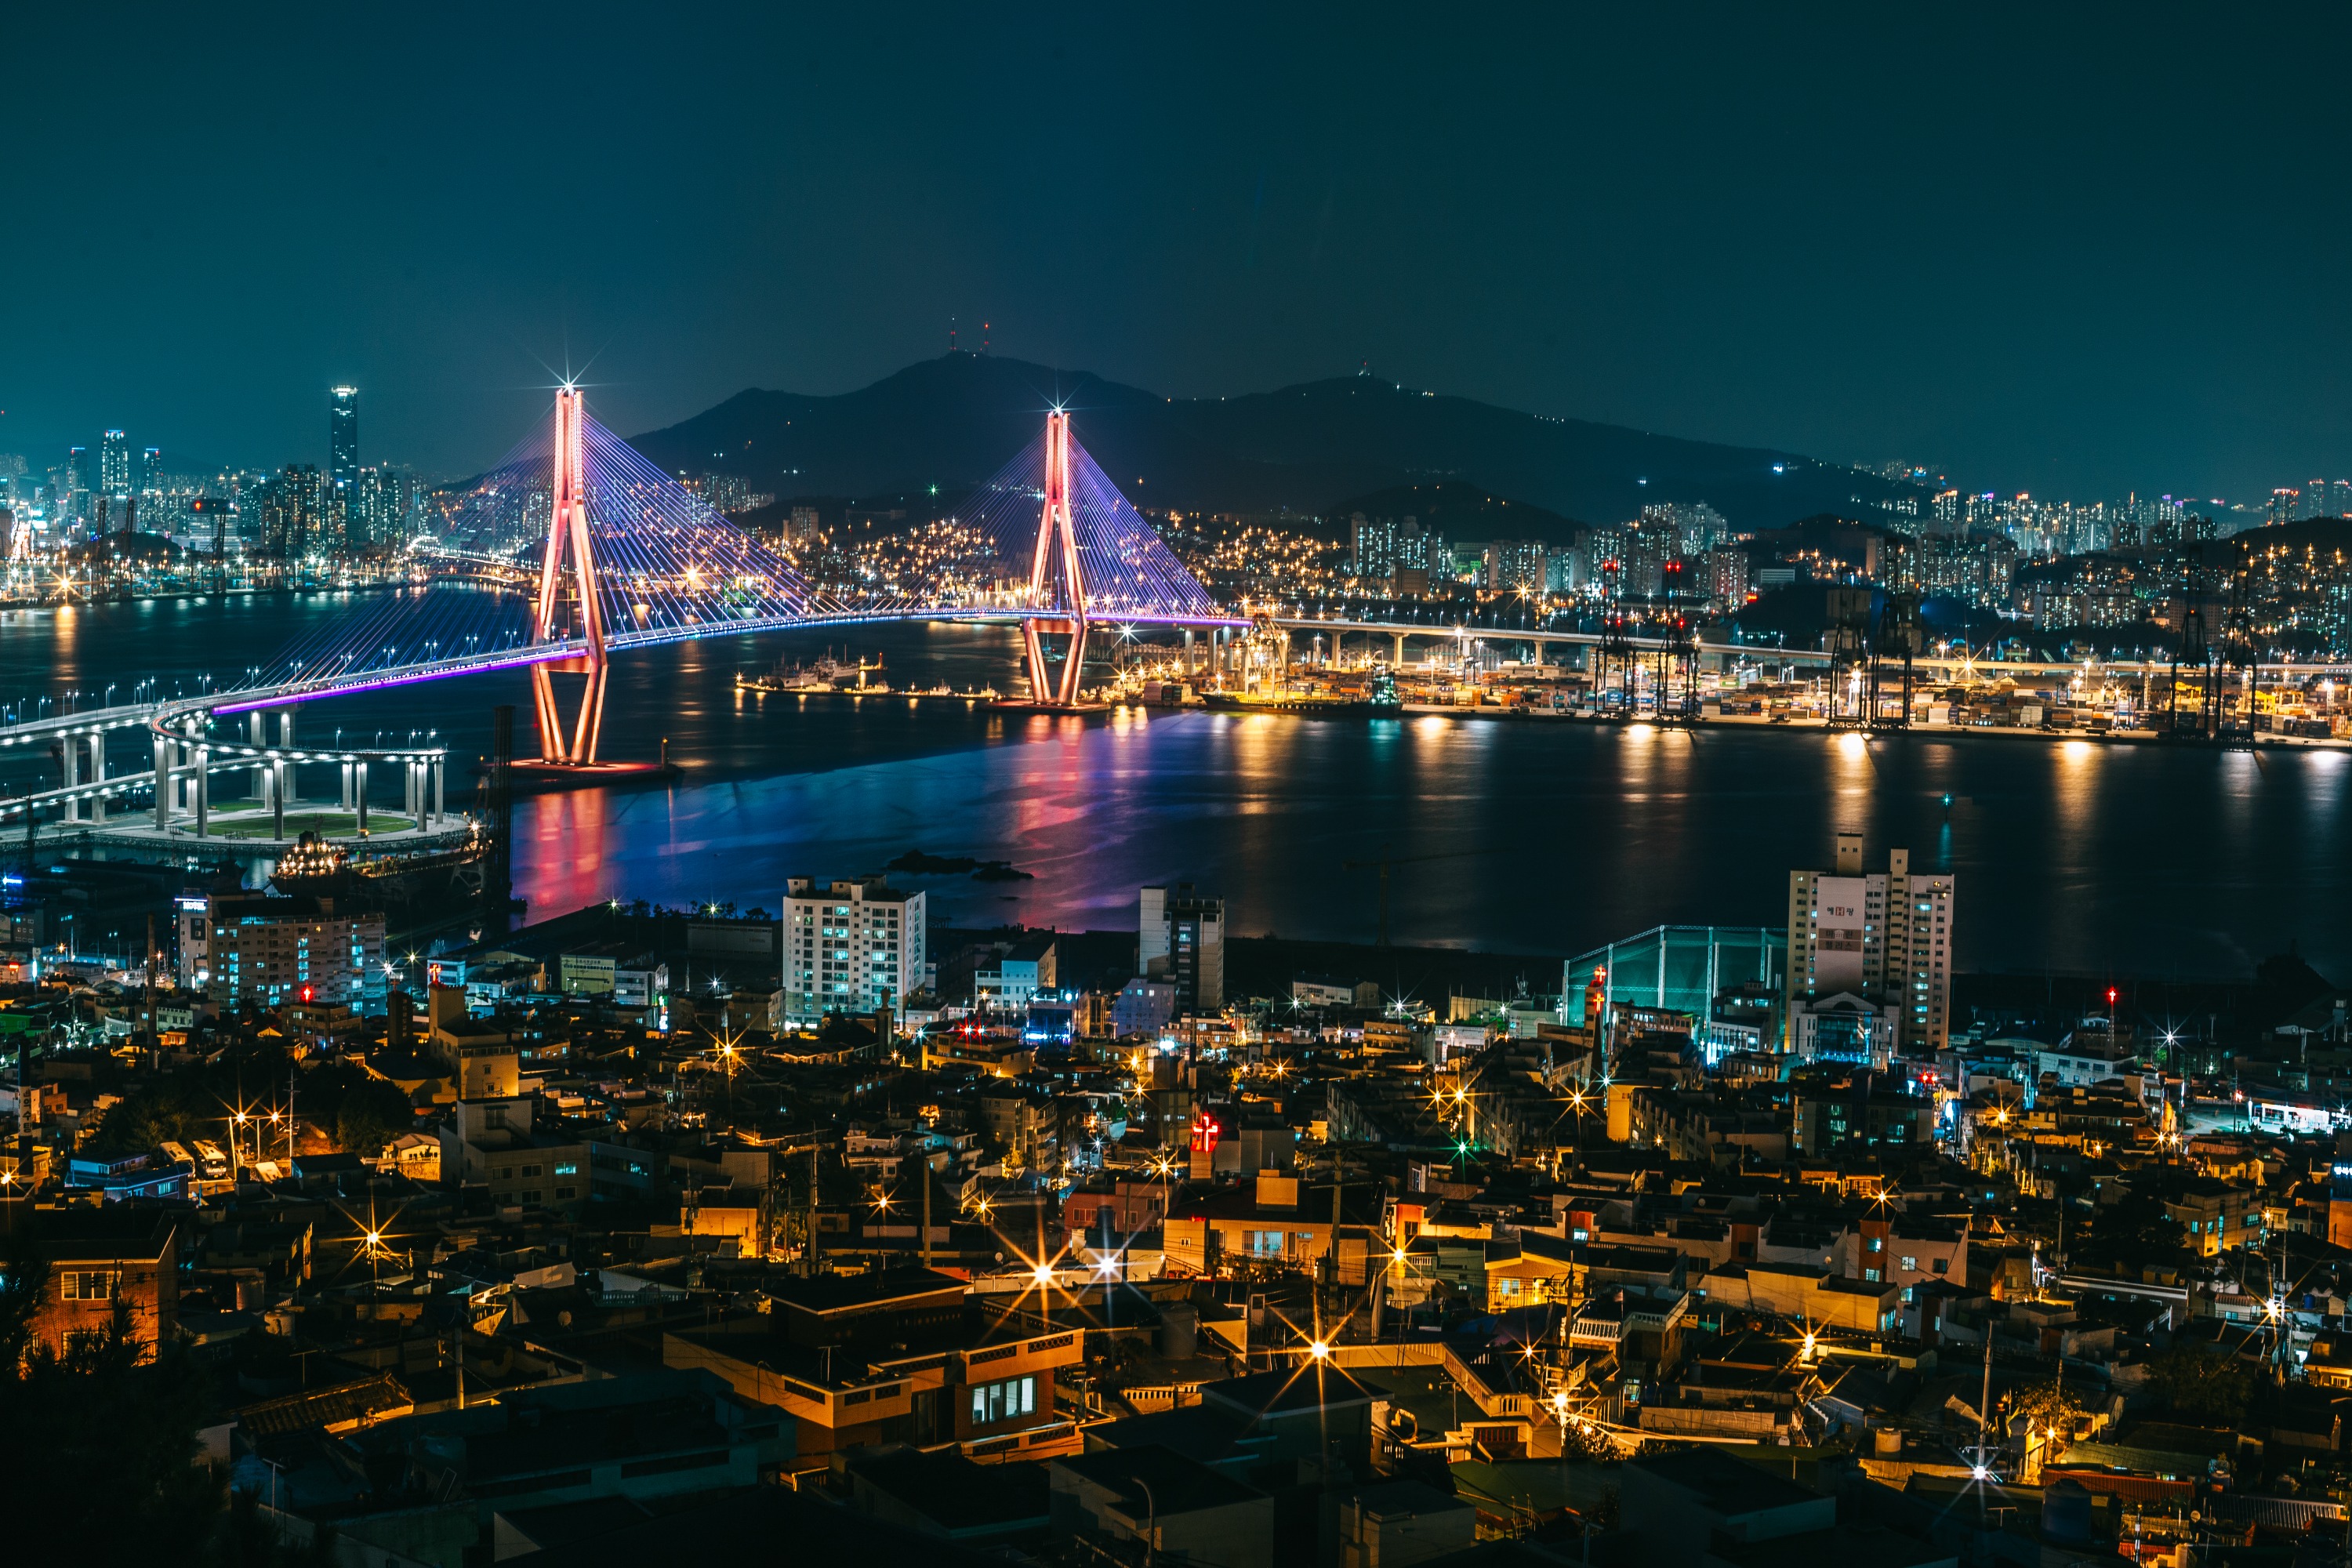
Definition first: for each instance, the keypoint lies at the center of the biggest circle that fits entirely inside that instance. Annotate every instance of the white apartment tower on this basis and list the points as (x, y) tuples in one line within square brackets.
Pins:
[(852, 946), (1886, 937), (1180, 938)]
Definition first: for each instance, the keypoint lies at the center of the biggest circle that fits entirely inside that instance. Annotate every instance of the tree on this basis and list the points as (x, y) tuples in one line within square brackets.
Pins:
[(2202, 1387), (97, 1449), (99, 1458), (158, 1113), (371, 1115)]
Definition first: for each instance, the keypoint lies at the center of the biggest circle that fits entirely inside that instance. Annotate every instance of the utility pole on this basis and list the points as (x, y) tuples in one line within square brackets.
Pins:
[(155, 1035), (1984, 1402), (808, 1237)]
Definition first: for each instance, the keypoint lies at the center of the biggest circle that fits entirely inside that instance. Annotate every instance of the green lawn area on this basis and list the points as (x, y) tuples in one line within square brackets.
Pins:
[(333, 824)]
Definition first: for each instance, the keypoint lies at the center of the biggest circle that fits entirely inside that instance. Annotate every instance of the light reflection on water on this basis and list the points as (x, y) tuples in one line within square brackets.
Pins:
[(1513, 836)]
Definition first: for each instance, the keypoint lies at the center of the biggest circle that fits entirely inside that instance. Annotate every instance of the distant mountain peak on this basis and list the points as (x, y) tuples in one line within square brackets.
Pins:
[(955, 419)]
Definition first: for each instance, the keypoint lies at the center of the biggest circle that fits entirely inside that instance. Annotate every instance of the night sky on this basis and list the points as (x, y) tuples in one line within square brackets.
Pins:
[(2056, 249)]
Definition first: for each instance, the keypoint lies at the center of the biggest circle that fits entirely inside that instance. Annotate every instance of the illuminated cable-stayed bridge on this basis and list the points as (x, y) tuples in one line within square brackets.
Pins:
[(575, 549)]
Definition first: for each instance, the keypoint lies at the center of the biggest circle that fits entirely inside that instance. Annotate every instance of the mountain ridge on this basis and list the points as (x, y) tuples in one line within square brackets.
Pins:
[(955, 420)]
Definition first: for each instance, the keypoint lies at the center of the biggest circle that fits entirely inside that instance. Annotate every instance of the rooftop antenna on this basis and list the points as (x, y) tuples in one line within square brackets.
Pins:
[(951, 335), (983, 337)]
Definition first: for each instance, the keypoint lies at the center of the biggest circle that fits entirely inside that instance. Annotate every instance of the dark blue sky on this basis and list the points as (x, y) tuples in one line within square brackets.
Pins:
[(2056, 248)]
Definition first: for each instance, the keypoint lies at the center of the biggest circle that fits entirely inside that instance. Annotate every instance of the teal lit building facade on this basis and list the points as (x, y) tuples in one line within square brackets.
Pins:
[(1680, 967)]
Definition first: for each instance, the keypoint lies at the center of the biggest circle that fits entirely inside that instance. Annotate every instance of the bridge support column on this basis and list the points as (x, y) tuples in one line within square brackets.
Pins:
[(163, 784), (258, 728), (440, 805), (346, 801), (359, 794), (282, 771), (69, 774), (201, 786), (98, 774), (1398, 663)]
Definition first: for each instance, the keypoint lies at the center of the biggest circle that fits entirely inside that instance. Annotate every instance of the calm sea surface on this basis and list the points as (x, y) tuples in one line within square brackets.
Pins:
[(1516, 836)]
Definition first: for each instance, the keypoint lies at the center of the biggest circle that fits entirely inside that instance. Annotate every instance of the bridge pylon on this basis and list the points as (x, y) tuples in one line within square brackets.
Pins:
[(1057, 536), (567, 537)]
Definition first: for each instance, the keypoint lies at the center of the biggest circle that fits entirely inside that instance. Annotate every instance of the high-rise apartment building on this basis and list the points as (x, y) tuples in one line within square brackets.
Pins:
[(1508, 564), (1180, 938), (114, 463), (290, 512), (1726, 575), (75, 481), (1886, 937), (376, 513), (1695, 526), (344, 435), (855, 945)]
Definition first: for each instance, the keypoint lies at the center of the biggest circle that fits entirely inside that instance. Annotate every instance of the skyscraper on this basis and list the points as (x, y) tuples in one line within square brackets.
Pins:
[(114, 463), (344, 435)]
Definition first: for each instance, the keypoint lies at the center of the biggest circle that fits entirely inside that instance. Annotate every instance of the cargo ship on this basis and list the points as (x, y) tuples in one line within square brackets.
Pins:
[(404, 886)]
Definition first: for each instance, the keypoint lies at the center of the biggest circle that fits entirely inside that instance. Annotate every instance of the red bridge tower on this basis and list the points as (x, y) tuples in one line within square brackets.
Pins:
[(1056, 528), (569, 522)]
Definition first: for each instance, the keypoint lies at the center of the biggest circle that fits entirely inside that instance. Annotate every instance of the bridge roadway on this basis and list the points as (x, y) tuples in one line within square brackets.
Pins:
[(183, 750), (1946, 665)]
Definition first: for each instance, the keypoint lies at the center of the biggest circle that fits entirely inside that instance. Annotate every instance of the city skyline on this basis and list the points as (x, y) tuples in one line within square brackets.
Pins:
[(2287, 498)]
